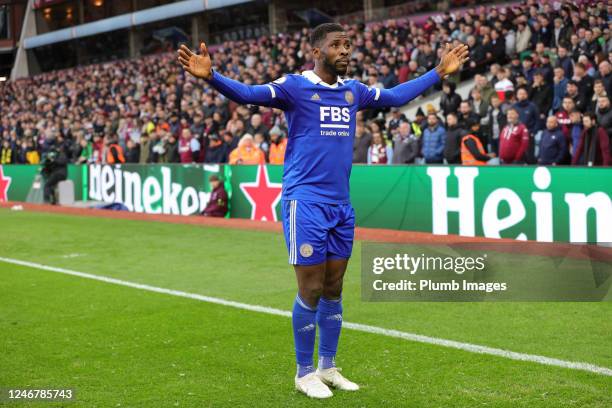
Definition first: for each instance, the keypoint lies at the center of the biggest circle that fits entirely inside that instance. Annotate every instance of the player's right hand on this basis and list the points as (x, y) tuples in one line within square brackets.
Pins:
[(197, 65)]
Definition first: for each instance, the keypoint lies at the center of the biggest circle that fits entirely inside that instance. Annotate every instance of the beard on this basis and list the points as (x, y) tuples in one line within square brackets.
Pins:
[(335, 68)]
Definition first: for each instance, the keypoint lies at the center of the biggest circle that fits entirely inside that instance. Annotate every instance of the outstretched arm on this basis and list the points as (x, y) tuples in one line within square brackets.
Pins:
[(399, 95), (200, 66)]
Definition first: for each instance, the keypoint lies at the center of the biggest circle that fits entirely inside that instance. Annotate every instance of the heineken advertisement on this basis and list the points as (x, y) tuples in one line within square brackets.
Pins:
[(524, 203), (153, 189)]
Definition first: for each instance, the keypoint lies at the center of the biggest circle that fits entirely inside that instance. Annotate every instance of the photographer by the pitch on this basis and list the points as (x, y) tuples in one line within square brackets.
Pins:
[(55, 169)]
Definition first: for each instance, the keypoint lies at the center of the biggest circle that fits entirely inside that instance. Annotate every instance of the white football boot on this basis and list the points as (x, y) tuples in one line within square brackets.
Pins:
[(312, 386), (333, 378)]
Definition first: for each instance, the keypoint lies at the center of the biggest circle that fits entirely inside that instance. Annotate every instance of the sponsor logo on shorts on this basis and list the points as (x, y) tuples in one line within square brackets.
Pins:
[(306, 250)]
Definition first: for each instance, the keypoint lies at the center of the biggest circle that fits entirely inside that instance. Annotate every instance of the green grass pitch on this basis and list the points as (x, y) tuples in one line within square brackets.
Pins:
[(123, 347)]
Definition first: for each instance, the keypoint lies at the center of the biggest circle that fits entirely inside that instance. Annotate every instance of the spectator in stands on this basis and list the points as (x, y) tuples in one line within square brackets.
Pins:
[(388, 78), (563, 114), (528, 69), (114, 152), (553, 144), (261, 144), (604, 114), (145, 148), (485, 87), (247, 152), (479, 105), (580, 99), (583, 81), (454, 134), (496, 120), (605, 74), (541, 95), (478, 56), (574, 130), (514, 139), (218, 203), (7, 154), (449, 101), (406, 145), (186, 154), (379, 151), (217, 150), (546, 68), (278, 145), (496, 49), (561, 34), (171, 149), (598, 91), (397, 117), (256, 126), (564, 61), (594, 146), (132, 153), (466, 115), (473, 152), (528, 111), (31, 154), (523, 37), (361, 144), (230, 140), (503, 84), (433, 140), (589, 44), (560, 87), (516, 67)]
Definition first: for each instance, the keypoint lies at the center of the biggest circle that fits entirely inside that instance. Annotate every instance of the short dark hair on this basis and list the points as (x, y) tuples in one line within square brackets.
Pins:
[(591, 115), (320, 32)]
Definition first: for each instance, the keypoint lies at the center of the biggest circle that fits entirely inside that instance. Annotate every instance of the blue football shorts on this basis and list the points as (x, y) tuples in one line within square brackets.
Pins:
[(315, 232)]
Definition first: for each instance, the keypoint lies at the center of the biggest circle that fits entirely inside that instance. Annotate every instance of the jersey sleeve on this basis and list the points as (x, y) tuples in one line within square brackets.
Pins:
[(271, 94), (281, 92), (398, 95)]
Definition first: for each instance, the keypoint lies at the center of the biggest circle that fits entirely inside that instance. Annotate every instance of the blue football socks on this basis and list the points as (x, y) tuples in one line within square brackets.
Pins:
[(329, 320), (304, 332)]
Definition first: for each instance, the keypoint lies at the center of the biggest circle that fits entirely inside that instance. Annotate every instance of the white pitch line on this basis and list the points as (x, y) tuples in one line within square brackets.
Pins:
[(473, 348)]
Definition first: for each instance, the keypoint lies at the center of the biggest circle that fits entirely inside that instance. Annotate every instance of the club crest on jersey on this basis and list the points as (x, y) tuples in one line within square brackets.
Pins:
[(306, 250), (348, 96)]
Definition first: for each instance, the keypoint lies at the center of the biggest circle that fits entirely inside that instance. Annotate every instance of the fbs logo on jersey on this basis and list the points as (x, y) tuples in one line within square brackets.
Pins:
[(335, 121), (335, 114)]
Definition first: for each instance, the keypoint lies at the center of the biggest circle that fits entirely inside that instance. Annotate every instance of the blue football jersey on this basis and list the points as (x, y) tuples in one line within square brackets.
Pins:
[(321, 129)]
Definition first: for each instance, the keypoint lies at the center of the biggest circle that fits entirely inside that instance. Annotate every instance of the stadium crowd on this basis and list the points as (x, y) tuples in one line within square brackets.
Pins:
[(542, 86)]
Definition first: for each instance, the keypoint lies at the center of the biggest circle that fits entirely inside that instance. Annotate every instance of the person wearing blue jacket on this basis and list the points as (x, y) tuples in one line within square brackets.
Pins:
[(433, 140), (553, 144), (528, 111), (560, 88)]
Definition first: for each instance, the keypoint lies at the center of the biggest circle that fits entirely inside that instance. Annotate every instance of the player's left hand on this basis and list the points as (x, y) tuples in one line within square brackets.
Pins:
[(452, 59)]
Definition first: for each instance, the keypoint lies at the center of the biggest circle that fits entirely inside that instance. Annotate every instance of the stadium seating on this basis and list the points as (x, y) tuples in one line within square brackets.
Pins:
[(143, 105)]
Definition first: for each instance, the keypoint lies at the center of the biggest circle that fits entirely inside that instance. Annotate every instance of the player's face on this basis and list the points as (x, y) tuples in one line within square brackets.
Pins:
[(336, 52)]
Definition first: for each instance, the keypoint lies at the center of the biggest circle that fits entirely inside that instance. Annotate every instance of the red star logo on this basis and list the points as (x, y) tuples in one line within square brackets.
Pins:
[(263, 196), (5, 182)]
